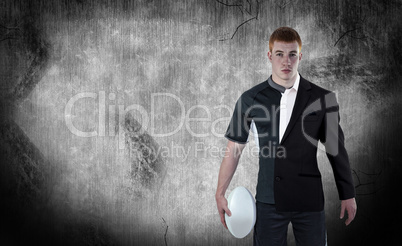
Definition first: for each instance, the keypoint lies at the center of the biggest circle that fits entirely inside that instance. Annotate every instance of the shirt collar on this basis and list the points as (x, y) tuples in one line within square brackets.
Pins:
[(281, 88), (276, 86), (297, 82)]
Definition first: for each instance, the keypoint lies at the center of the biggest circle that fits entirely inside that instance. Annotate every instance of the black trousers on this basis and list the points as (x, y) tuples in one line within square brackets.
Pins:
[(271, 227)]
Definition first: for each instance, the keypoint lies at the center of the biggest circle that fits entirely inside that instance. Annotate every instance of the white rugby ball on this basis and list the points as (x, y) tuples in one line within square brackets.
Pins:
[(242, 205)]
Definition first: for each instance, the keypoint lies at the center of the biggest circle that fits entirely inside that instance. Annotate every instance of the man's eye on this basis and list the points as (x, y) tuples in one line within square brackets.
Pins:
[(279, 54), (293, 55)]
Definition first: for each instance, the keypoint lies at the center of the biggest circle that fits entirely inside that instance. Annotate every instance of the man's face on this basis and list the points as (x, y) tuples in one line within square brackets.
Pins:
[(285, 59)]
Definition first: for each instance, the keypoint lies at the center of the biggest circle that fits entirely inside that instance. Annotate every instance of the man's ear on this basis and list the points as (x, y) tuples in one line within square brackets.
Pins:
[(300, 56), (270, 56)]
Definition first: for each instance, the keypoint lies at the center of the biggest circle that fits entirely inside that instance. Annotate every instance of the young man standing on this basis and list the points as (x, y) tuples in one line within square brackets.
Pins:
[(288, 116)]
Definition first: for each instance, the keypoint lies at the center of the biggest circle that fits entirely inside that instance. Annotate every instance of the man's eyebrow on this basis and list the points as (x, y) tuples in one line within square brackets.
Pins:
[(280, 51)]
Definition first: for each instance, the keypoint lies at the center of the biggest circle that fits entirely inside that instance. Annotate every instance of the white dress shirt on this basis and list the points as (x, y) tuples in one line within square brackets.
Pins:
[(286, 107)]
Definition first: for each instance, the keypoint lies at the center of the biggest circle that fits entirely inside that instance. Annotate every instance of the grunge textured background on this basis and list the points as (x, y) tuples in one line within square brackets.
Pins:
[(113, 114)]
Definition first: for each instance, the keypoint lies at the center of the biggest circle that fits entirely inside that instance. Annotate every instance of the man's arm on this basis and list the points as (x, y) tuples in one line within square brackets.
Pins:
[(344, 181), (226, 172), (338, 158)]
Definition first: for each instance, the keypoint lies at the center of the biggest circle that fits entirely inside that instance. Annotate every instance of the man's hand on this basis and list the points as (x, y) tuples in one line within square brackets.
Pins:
[(351, 207), (222, 205), (226, 172)]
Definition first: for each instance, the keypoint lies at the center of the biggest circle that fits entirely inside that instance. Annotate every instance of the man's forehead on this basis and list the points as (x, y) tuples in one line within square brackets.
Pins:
[(285, 46)]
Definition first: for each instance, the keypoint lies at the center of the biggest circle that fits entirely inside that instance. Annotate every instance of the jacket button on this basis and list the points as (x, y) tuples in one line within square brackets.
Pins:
[(278, 178)]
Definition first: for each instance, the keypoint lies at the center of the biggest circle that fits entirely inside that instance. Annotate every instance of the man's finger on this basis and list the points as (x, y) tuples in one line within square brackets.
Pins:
[(223, 220), (351, 216), (342, 212), (222, 215), (222, 209), (227, 211), (347, 222)]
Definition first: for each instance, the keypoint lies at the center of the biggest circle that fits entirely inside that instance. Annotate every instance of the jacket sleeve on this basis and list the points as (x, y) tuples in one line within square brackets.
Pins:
[(333, 140), (239, 126)]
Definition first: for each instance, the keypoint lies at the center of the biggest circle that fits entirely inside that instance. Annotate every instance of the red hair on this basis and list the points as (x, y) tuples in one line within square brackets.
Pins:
[(284, 34)]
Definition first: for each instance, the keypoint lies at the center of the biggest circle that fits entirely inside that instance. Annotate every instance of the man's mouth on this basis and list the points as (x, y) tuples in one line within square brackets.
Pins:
[(286, 70)]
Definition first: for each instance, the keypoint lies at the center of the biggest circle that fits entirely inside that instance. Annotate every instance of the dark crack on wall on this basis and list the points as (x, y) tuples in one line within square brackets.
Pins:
[(237, 28), (283, 4), (373, 177), (9, 32), (166, 231), (252, 8)]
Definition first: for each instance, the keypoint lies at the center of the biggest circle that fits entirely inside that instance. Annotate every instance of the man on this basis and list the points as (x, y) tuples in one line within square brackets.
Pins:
[(288, 115)]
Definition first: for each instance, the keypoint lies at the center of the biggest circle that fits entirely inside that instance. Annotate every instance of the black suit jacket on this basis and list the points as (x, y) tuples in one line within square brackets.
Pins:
[(298, 184)]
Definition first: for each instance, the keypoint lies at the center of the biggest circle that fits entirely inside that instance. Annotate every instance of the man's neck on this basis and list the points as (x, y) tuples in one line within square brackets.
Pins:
[(285, 83)]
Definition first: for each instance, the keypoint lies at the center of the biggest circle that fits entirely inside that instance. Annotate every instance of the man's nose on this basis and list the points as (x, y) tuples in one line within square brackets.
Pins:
[(286, 60)]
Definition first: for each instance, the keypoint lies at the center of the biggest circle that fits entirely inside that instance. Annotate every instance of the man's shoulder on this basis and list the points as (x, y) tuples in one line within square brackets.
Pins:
[(320, 92), (314, 87), (253, 91)]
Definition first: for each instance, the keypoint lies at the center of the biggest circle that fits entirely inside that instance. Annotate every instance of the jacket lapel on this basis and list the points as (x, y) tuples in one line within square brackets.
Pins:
[(302, 97)]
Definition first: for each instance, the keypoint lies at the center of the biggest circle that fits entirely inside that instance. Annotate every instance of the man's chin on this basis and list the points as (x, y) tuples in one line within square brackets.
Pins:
[(288, 76)]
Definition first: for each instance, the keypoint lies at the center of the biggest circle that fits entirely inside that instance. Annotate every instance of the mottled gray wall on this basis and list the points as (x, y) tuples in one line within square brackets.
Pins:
[(76, 170)]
